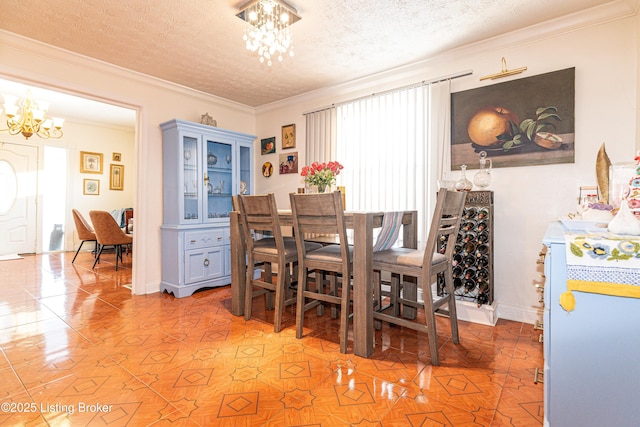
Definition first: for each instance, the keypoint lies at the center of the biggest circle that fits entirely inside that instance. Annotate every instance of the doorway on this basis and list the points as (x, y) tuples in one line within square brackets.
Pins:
[(18, 196), (42, 220)]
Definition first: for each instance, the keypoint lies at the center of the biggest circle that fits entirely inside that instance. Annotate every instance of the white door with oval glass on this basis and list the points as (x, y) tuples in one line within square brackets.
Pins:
[(18, 183)]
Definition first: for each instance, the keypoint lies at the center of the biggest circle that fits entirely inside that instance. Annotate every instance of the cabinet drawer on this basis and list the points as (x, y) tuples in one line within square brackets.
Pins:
[(203, 239)]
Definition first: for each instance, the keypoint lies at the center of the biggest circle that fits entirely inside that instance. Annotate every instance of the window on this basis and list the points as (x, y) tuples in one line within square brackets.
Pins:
[(391, 146)]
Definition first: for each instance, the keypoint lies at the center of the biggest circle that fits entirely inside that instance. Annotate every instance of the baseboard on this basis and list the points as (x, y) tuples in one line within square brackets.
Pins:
[(520, 314)]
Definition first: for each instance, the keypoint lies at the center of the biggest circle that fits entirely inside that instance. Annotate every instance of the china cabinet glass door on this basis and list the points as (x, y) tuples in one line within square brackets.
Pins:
[(244, 164), (191, 178), (219, 179)]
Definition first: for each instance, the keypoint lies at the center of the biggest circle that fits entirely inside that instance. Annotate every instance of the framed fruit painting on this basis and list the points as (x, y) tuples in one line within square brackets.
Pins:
[(523, 122)]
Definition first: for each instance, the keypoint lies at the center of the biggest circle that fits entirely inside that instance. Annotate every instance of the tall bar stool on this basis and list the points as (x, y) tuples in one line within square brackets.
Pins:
[(425, 265), (322, 213), (259, 217)]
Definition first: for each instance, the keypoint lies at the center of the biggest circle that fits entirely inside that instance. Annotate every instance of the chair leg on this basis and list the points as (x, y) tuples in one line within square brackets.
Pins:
[(430, 319), (395, 294), (280, 291), (319, 277), (79, 247), (118, 254), (248, 292), (98, 257), (268, 277), (433, 340), (344, 315), (453, 313), (333, 289), (377, 297), (302, 287)]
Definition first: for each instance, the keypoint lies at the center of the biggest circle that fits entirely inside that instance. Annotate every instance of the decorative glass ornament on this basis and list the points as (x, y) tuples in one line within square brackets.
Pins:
[(482, 178), (463, 184)]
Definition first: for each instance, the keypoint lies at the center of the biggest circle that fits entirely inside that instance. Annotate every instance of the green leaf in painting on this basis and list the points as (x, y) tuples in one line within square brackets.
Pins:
[(549, 115), (525, 123)]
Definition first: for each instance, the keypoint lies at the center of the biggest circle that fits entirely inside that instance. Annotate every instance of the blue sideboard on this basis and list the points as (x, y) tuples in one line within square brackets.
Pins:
[(592, 354)]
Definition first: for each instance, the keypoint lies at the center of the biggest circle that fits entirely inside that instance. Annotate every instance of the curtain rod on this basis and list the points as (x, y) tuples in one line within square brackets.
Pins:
[(413, 85)]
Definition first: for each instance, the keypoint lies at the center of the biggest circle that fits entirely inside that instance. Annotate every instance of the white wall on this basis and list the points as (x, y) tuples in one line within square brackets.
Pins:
[(526, 198), (156, 101), (98, 139)]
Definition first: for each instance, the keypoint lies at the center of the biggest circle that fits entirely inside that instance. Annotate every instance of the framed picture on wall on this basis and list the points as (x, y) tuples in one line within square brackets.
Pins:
[(117, 157), (522, 122), (91, 187), (289, 163), (116, 177), (289, 136), (268, 145), (90, 162)]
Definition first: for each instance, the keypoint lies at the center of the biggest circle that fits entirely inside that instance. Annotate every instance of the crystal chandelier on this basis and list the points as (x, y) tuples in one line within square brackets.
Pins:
[(267, 29), (29, 117)]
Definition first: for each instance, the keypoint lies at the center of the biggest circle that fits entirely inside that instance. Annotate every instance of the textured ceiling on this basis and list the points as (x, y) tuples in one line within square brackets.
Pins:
[(198, 43)]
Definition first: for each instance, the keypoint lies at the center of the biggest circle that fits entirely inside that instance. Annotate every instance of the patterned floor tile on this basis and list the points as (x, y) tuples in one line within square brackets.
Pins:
[(79, 349)]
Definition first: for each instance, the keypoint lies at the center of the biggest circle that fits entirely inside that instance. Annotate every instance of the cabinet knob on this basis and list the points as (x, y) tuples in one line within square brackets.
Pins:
[(206, 262)]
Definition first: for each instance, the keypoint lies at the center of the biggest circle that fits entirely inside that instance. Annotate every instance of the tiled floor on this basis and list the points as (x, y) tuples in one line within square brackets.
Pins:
[(78, 349)]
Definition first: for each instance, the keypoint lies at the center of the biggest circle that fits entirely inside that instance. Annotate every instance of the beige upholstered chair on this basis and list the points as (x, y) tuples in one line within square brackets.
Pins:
[(424, 265), (109, 233), (85, 232), (259, 217), (322, 213)]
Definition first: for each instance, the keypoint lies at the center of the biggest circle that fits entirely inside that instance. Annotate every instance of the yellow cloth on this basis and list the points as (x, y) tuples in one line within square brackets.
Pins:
[(568, 301), (601, 263)]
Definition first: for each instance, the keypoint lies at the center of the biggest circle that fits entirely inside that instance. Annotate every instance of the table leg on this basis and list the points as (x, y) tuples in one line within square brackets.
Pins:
[(362, 284), (238, 265)]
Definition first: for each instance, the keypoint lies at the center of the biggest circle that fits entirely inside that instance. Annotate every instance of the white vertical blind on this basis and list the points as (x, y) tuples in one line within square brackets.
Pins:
[(320, 142), (393, 148)]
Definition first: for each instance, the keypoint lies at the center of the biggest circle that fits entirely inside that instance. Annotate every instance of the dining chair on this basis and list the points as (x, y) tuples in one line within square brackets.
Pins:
[(322, 213), (259, 218), (85, 232), (424, 265), (109, 233)]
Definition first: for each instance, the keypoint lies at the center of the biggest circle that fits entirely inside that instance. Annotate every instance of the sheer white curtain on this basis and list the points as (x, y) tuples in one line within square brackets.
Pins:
[(393, 148)]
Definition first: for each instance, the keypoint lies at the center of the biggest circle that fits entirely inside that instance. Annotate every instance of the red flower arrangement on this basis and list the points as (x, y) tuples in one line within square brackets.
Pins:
[(321, 174)]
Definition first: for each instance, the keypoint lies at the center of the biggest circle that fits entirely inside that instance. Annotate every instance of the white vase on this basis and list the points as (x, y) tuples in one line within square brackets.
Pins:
[(625, 222)]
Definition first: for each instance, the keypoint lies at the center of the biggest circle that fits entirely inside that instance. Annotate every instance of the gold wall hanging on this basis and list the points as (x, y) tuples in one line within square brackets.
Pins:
[(505, 72)]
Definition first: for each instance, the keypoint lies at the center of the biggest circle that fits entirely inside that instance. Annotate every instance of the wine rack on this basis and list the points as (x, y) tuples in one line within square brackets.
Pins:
[(473, 253)]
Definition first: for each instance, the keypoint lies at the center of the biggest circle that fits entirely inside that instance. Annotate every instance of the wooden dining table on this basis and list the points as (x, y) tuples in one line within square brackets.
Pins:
[(363, 225)]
